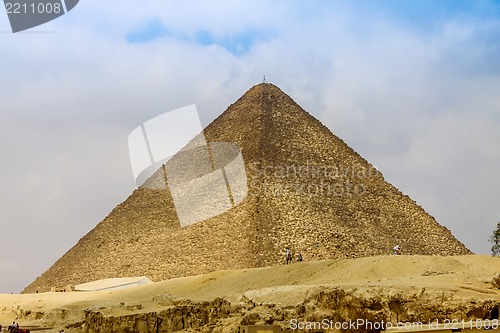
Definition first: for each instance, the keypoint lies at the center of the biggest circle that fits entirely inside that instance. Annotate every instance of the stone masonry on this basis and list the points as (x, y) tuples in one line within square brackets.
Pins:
[(308, 191)]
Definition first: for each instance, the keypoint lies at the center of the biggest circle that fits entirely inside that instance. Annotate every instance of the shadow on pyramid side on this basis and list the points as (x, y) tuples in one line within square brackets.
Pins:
[(307, 190)]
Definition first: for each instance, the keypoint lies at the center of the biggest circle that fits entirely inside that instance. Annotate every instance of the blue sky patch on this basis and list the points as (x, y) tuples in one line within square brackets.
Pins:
[(238, 43), (152, 30), (241, 43), (204, 37)]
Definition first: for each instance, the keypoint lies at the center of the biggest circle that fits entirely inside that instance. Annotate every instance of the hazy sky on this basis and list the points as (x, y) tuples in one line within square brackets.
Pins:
[(413, 86)]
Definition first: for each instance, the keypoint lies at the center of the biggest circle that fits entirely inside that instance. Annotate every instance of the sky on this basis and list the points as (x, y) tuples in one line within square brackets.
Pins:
[(413, 86)]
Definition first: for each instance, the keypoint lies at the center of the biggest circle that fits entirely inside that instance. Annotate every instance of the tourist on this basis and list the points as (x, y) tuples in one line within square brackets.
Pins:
[(289, 256), (397, 250), (300, 257)]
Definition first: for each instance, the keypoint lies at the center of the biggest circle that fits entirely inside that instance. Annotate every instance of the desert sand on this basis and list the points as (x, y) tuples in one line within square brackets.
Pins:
[(466, 278)]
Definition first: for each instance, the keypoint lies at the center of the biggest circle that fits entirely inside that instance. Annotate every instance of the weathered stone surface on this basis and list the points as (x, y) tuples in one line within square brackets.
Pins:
[(172, 319), (324, 306), (307, 190), (495, 281)]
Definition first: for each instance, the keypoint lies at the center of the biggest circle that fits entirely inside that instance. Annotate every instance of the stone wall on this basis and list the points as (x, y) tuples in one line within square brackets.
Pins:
[(388, 307)]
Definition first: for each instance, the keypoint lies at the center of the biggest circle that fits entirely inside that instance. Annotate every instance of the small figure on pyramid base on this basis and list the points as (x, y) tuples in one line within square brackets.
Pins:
[(299, 259), (288, 256), (396, 250), (15, 328)]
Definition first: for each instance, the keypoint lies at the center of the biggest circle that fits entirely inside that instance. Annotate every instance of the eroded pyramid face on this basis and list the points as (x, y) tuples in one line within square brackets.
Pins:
[(306, 191)]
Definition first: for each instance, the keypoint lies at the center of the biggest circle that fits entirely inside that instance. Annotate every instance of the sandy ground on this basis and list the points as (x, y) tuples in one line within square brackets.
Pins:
[(466, 276)]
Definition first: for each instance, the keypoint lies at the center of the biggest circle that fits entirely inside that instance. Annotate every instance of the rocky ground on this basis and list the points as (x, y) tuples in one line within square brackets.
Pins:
[(391, 289)]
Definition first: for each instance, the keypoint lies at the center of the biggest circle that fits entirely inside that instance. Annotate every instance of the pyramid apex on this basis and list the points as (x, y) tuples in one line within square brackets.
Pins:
[(264, 87)]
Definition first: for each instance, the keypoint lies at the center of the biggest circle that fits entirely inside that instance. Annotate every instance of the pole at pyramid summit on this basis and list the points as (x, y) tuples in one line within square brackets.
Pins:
[(264, 80)]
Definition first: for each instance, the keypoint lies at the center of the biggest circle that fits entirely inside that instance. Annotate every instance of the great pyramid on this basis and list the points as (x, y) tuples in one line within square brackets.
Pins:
[(307, 190)]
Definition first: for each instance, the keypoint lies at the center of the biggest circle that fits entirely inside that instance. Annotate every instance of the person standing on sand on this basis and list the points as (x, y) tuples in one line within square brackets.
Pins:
[(288, 255), (397, 250)]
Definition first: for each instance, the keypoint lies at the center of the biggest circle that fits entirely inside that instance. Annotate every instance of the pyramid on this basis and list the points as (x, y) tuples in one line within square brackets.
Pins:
[(307, 190)]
